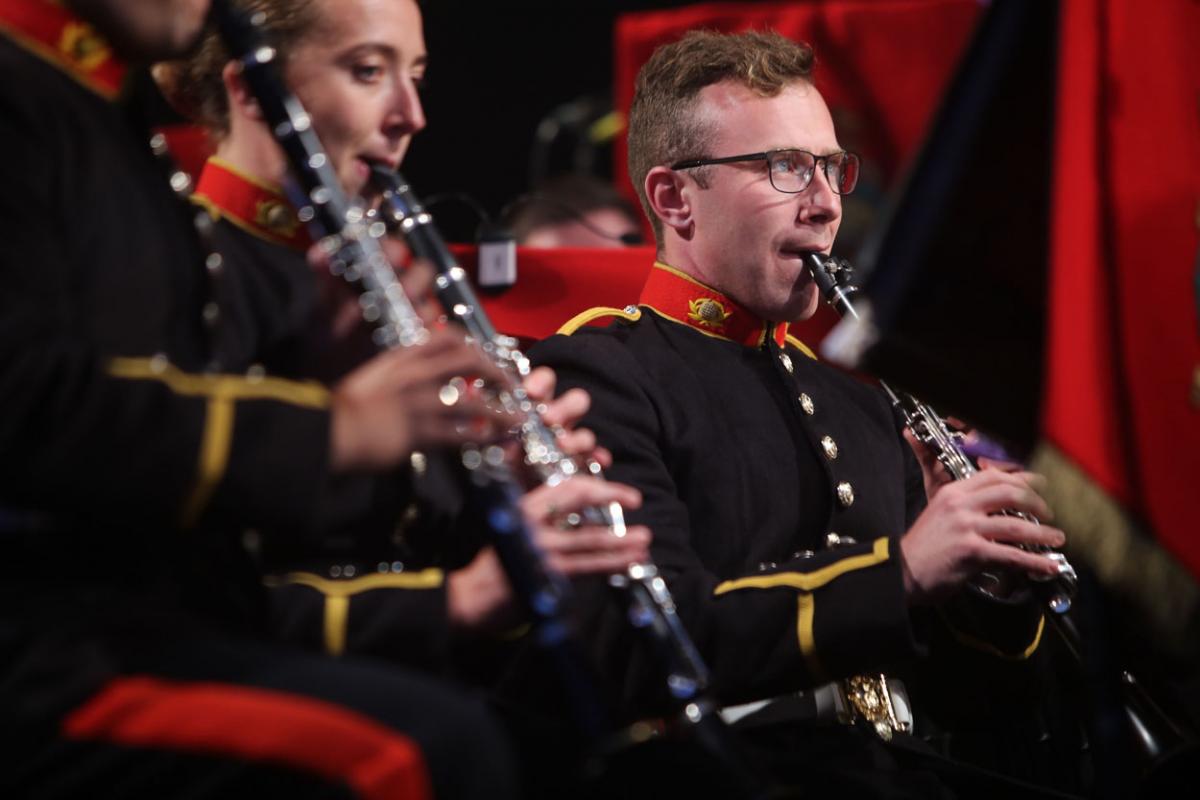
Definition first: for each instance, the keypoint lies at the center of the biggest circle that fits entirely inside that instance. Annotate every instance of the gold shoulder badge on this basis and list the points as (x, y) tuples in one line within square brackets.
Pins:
[(83, 46), (277, 217), (708, 312)]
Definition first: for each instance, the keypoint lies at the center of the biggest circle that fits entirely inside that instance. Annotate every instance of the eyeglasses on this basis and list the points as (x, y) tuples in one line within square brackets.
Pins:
[(791, 171)]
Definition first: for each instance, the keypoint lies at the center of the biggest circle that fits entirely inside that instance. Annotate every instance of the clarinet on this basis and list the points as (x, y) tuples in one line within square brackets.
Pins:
[(1164, 746), (833, 276), (351, 239), (649, 604)]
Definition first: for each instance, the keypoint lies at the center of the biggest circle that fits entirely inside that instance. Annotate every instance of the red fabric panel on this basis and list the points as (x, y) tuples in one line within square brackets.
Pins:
[(555, 284), (882, 64), (189, 145), (1122, 338), (257, 725), (1080, 341)]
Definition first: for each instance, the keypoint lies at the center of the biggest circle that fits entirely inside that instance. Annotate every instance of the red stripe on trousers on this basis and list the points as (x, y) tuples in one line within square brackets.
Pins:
[(257, 725)]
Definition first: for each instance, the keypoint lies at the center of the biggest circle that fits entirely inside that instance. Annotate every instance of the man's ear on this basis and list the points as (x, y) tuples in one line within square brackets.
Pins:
[(241, 100), (667, 198)]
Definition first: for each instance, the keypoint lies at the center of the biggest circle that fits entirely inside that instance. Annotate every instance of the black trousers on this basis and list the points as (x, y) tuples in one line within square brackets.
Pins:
[(818, 759), (162, 708)]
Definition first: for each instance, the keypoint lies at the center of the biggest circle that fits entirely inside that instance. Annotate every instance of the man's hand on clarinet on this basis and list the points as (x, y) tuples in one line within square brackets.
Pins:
[(961, 533)]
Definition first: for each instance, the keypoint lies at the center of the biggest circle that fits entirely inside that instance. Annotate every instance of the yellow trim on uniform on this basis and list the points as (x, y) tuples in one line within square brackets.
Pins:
[(222, 391), (987, 647), (807, 581), (214, 457), (681, 274), (337, 594), (430, 578), (337, 619), (805, 616), (308, 394), (592, 314), (801, 346), (208, 205), (217, 213)]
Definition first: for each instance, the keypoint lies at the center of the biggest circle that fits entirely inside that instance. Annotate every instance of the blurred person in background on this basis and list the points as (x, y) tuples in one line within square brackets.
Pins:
[(573, 210)]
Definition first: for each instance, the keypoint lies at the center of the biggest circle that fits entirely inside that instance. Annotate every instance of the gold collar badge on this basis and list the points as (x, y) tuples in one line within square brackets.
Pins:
[(708, 313), (83, 46), (277, 217)]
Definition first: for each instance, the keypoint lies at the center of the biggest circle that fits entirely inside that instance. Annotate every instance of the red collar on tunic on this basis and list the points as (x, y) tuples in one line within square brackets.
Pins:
[(681, 298), (254, 206), (57, 36)]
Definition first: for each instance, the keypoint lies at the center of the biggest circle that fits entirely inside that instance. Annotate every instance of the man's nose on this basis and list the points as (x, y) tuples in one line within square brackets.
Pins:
[(818, 202)]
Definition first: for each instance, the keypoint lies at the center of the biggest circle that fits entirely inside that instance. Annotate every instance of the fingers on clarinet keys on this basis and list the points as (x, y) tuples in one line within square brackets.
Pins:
[(566, 521), (452, 392), (577, 502), (574, 518)]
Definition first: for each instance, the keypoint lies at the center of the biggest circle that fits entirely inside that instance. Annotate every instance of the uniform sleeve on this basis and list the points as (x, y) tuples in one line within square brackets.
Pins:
[(1009, 628), (400, 617), (804, 623), (130, 439)]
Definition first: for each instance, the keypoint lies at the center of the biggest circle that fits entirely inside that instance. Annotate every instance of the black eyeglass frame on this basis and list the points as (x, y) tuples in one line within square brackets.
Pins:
[(821, 162)]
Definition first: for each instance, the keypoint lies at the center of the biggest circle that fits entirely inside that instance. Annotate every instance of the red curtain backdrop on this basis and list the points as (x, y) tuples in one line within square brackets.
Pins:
[(1123, 351), (882, 64)]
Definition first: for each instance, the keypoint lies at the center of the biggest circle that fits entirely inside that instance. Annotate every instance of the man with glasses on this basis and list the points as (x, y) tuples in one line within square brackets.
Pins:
[(806, 547)]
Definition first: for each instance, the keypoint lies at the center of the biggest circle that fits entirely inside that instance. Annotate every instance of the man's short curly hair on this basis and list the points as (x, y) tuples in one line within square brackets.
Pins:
[(663, 127)]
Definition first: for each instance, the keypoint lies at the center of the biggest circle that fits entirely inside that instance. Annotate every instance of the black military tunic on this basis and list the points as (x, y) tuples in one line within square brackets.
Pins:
[(375, 581), (106, 423), (127, 473), (776, 488)]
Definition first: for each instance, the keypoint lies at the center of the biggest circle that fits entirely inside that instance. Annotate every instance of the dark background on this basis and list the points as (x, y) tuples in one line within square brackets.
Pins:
[(495, 70)]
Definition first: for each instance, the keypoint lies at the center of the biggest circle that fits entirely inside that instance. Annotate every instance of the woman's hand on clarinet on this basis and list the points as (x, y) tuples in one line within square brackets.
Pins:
[(405, 399), (341, 338), (573, 546), (479, 596)]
